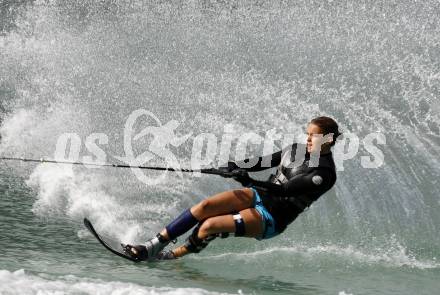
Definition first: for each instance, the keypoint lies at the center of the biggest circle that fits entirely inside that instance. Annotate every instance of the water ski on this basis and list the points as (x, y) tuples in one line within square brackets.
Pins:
[(113, 246)]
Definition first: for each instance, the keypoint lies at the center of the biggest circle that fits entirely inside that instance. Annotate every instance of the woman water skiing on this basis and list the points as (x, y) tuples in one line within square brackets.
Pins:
[(263, 209)]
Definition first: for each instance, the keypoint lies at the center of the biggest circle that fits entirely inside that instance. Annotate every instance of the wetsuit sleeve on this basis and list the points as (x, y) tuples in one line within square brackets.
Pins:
[(314, 181), (266, 162), (262, 163)]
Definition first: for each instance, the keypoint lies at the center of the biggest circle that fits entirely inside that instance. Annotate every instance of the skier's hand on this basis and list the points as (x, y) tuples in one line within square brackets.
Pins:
[(242, 176)]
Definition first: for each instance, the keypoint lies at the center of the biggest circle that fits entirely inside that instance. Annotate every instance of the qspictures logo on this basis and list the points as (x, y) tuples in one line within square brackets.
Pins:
[(208, 150)]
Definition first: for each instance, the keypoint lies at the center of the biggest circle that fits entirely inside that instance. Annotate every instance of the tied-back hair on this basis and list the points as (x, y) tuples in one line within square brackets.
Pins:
[(327, 125)]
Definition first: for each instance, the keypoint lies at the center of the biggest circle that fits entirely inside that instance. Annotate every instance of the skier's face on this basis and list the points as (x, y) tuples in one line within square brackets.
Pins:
[(316, 141)]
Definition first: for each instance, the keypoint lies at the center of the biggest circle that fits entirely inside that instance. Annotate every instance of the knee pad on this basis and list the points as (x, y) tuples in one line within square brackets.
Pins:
[(239, 225), (194, 244)]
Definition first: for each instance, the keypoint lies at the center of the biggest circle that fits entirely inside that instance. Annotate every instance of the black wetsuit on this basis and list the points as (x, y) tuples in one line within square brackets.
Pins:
[(296, 185)]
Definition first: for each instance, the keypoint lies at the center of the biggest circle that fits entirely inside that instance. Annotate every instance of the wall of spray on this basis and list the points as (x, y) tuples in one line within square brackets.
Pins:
[(83, 67)]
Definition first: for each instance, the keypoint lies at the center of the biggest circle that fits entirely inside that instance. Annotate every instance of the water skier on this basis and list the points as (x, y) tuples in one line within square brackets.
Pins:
[(261, 210)]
